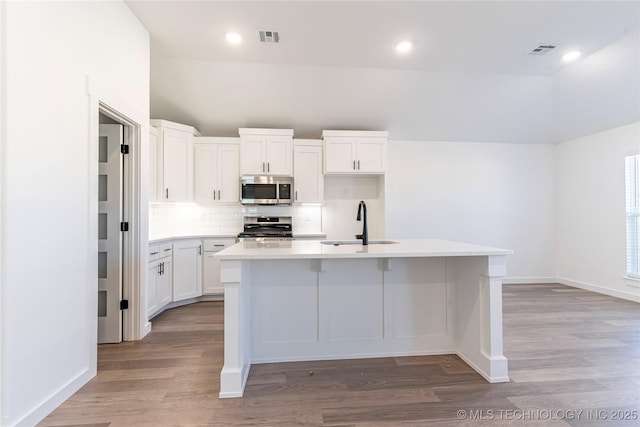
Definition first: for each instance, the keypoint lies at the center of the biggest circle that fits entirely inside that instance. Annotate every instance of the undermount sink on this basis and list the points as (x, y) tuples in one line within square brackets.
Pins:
[(356, 242)]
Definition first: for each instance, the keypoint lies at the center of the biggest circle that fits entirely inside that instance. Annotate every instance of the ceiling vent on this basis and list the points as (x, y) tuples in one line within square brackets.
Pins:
[(266, 36), (542, 49)]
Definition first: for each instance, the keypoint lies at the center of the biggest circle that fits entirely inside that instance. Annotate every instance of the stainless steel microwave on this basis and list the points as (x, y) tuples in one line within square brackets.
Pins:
[(266, 190)]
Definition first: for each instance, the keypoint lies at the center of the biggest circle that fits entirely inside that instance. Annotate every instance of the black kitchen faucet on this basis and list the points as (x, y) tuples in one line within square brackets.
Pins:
[(365, 232)]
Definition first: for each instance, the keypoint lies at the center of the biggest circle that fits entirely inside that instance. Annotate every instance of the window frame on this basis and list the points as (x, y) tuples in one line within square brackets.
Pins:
[(632, 215)]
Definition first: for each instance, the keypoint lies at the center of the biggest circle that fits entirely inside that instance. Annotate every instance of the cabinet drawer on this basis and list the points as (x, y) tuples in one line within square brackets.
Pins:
[(154, 252), (166, 250), (216, 245)]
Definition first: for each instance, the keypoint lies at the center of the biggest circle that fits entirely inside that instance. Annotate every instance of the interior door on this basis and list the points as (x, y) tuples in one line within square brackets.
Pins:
[(110, 185)]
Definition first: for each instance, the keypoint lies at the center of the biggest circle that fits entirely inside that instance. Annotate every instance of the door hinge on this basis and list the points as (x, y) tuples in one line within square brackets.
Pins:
[(124, 304), (124, 148), (124, 226)]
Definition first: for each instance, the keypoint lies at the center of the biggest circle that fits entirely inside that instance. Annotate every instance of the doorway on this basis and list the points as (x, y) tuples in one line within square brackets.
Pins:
[(108, 106)]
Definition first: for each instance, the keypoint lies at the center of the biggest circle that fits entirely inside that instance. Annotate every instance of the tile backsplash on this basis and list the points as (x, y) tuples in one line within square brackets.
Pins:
[(190, 219)]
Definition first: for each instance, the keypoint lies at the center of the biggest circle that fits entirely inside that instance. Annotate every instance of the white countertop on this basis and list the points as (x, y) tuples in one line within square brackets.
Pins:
[(301, 249), (163, 238), (160, 238)]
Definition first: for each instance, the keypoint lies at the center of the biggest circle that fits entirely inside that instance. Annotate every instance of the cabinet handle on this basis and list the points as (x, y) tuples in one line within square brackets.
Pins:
[(354, 165), (214, 194), (358, 164), (154, 253), (167, 250), (219, 195), (159, 269), (268, 164), (200, 250), (296, 195), (262, 166), (219, 246), (166, 192)]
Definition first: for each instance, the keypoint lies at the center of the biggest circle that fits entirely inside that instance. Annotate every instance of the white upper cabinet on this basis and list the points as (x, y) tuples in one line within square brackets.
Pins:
[(217, 169), (355, 152), (153, 165), (265, 151), (308, 178), (175, 160)]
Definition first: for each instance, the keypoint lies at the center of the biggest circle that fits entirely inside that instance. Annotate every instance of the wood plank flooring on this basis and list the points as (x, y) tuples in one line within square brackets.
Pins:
[(569, 350)]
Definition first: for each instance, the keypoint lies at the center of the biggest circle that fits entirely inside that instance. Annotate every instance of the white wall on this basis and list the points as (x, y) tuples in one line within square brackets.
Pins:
[(49, 275), (599, 92), (591, 211), (220, 97), (491, 194)]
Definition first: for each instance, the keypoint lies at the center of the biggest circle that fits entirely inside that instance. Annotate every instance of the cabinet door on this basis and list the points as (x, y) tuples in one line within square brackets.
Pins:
[(339, 155), (205, 172), (279, 155), (228, 173), (177, 165), (153, 166), (163, 286), (153, 270), (253, 154), (211, 275), (211, 266), (187, 264), (371, 155), (308, 179)]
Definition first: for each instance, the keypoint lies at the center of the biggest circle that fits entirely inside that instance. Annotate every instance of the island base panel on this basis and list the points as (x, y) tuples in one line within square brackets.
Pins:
[(322, 309)]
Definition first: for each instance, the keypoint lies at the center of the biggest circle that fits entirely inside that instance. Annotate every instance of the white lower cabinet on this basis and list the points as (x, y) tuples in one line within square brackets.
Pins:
[(211, 267), (159, 277), (187, 269)]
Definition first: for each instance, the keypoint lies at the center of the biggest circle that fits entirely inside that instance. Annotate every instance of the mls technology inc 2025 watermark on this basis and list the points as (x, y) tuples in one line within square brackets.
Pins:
[(547, 415)]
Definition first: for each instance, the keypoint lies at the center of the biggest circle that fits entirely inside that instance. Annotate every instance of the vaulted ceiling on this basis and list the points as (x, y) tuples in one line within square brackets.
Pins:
[(469, 75)]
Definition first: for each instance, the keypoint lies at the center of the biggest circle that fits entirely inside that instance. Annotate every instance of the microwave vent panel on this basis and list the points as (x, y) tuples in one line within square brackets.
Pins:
[(267, 36)]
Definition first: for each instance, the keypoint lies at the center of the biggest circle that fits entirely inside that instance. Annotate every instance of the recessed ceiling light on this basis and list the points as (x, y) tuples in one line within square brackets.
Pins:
[(571, 56), (233, 38), (404, 46)]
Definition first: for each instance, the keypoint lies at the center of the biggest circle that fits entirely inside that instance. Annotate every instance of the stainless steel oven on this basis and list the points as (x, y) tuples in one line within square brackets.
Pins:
[(266, 228)]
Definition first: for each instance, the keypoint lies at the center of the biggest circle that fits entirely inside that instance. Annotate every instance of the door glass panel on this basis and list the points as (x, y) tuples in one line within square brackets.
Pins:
[(102, 265), (103, 149), (102, 226), (102, 188), (102, 303)]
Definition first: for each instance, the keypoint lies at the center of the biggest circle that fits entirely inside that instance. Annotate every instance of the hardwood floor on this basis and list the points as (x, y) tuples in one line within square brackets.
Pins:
[(569, 350)]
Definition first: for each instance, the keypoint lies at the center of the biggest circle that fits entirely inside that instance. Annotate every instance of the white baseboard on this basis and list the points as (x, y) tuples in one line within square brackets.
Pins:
[(599, 289), (56, 399), (528, 280)]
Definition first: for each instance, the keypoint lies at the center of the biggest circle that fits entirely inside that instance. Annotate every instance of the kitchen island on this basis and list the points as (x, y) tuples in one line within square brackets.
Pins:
[(305, 300)]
